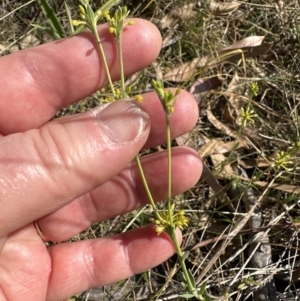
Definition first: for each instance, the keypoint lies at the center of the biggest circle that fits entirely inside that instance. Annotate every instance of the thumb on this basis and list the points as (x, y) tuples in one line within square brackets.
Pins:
[(44, 169)]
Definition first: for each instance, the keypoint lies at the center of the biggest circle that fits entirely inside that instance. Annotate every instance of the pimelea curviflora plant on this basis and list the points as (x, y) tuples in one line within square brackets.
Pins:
[(170, 218)]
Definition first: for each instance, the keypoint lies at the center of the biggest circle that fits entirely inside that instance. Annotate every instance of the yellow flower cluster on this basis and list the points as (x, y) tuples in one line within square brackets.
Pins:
[(116, 23), (118, 95), (247, 115), (254, 89), (178, 219), (283, 161), (139, 98), (167, 98), (88, 17)]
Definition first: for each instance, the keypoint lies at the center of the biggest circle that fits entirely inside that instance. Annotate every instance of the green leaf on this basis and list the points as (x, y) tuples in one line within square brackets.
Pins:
[(49, 31), (69, 17), (187, 296), (242, 286), (90, 16), (183, 278), (78, 29), (202, 289), (185, 255), (109, 4), (55, 24), (192, 280)]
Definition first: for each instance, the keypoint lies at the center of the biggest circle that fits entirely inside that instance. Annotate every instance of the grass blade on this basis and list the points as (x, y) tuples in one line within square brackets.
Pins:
[(69, 17), (52, 18), (109, 4), (48, 31)]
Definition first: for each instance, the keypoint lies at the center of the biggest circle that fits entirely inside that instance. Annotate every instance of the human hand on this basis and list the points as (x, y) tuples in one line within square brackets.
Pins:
[(76, 170)]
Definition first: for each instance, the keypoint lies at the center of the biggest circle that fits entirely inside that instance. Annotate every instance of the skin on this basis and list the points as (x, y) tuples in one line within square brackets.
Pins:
[(71, 172)]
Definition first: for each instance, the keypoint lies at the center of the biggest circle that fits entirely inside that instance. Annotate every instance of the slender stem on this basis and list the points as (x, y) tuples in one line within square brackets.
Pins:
[(134, 219), (173, 236), (169, 204), (169, 157), (148, 192), (172, 231), (95, 33), (119, 43)]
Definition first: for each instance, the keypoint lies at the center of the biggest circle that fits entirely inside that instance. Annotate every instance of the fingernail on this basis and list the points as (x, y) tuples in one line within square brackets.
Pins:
[(122, 121)]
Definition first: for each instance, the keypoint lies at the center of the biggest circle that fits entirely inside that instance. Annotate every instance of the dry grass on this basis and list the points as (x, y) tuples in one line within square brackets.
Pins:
[(242, 255)]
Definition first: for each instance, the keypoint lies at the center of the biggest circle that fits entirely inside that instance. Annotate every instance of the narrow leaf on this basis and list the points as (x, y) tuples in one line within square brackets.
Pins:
[(52, 18), (53, 34), (109, 4), (69, 17), (192, 280), (78, 29), (187, 296)]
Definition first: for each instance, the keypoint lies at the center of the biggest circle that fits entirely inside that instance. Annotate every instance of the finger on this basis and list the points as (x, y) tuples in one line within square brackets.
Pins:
[(124, 193), (36, 83), (24, 252), (182, 120), (103, 261), (43, 170)]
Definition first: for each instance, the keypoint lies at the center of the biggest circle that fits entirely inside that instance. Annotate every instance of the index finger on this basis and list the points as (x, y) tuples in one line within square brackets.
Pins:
[(36, 83)]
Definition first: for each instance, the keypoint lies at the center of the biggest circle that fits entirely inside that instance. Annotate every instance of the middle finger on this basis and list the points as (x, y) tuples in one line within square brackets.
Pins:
[(124, 193)]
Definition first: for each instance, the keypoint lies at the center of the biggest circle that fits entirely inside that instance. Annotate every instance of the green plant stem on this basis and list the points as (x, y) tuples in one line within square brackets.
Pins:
[(95, 33), (119, 43), (148, 192), (172, 234), (169, 205), (172, 229)]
